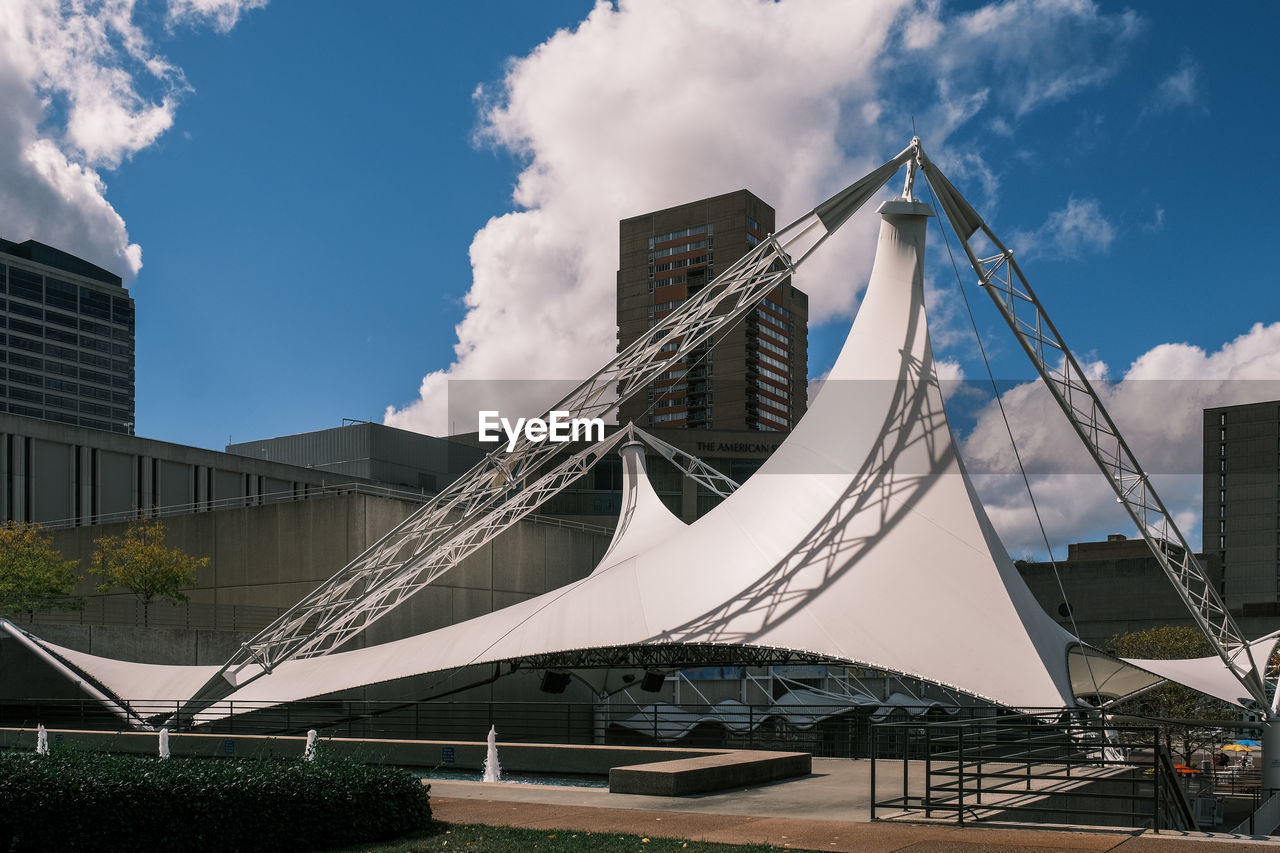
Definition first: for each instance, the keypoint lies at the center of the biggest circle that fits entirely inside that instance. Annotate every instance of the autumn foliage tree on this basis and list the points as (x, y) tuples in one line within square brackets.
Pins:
[(140, 562), (33, 574)]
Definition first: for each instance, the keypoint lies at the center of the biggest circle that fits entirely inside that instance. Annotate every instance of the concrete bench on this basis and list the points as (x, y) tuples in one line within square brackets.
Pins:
[(708, 773)]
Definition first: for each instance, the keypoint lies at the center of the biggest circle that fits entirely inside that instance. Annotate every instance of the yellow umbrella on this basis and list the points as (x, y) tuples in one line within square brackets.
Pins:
[(1235, 747)]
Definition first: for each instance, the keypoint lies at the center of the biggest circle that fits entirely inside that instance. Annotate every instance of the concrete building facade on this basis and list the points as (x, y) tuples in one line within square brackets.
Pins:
[(752, 377), (66, 339), (64, 476), (370, 451), (1117, 587), (270, 556), (1242, 503)]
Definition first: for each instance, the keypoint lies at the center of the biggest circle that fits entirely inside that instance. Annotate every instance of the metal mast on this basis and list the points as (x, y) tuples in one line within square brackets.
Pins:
[(469, 511), (1002, 279)]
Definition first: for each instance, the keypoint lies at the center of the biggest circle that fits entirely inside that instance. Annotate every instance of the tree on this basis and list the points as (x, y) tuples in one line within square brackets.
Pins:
[(139, 562), (33, 575), (1180, 710)]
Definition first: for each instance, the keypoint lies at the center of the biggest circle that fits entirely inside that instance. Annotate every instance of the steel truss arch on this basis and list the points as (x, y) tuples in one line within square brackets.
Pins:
[(1003, 280), (406, 559)]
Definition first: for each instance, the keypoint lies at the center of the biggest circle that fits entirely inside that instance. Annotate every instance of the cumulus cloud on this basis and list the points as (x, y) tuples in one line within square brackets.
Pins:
[(82, 89), (1157, 405), (651, 104)]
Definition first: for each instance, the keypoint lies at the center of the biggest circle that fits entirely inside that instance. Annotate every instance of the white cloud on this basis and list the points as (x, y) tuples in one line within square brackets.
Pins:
[(1078, 228), (1034, 52), (1156, 224), (815, 385), (81, 90), (651, 104), (1157, 406), (1179, 90), (221, 14)]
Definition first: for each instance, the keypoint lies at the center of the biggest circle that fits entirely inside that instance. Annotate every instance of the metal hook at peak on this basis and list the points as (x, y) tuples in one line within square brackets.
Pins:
[(908, 189)]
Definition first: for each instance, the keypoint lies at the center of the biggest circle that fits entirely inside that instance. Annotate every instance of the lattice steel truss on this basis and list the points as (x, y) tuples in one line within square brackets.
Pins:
[(1002, 279), (690, 466), (496, 492)]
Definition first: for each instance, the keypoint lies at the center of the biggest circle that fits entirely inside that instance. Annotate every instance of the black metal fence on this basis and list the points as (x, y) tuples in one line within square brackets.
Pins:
[(1054, 768), (836, 731)]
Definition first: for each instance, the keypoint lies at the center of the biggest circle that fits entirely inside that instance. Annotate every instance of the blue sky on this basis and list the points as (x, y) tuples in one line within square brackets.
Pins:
[(320, 197)]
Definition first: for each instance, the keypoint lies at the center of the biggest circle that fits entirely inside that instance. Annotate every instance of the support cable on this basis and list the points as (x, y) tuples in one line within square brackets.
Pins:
[(470, 510), (1071, 388), (1017, 455)]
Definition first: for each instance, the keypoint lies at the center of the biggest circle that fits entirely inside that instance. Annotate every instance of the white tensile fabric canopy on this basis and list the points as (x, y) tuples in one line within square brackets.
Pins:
[(861, 539)]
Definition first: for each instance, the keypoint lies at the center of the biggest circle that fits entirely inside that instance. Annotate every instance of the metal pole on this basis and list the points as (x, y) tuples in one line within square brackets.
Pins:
[(1270, 756), (906, 757), (978, 777), (873, 772), (928, 764), (960, 776), (1155, 777)]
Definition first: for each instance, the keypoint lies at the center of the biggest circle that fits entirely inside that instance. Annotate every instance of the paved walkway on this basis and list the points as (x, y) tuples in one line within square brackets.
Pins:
[(828, 810)]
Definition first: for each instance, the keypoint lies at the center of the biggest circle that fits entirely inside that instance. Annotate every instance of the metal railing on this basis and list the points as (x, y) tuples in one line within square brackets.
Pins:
[(1263, 819), (127, 611), (1049, 768), (302, 493), (837, 731)]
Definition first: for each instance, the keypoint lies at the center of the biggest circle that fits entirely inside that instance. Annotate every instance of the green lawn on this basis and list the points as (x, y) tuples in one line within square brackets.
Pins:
[(474, 838)]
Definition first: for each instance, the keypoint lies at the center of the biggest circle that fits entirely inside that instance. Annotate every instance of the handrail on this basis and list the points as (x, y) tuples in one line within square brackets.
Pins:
[(308, 493), (1263, 820), (1018, 767)]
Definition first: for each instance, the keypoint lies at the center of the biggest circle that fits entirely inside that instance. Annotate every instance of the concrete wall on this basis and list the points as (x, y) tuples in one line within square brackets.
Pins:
[(273, 555), (1116, 588), (57, 474)]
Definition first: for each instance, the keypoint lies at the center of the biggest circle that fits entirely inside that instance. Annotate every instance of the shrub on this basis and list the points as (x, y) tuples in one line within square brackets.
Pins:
[(77, 800)]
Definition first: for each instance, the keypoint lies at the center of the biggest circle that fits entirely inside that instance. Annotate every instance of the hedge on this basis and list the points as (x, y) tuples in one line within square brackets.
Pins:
[(78, 800)]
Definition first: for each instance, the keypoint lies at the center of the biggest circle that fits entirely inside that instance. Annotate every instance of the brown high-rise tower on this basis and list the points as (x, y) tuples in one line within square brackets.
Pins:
[(753, 376)]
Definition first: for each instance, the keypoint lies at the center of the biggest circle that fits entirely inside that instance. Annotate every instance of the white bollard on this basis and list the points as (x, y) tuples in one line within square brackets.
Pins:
[(164, 743), (309, 751)]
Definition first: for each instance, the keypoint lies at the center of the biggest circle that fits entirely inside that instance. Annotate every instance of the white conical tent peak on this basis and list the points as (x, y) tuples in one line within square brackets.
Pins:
[(859, 540), (643, 519)]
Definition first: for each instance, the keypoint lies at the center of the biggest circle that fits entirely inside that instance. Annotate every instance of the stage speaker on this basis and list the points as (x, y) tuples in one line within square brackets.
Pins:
[(653, 680), (554, 682)]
